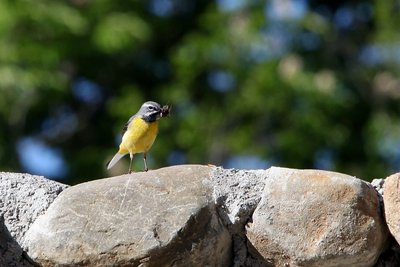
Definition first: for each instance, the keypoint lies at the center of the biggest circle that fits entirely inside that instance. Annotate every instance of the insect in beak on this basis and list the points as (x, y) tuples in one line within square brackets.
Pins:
[(165, 110)]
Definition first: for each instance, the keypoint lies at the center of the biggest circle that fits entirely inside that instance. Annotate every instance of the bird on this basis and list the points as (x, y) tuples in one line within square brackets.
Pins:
[(140, 132)]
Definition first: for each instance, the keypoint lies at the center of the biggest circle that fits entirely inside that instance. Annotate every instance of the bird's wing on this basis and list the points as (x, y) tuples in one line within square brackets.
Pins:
[(127, 124)]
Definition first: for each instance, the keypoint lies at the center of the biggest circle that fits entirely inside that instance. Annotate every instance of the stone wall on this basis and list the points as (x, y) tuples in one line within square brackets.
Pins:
[(193, 215)]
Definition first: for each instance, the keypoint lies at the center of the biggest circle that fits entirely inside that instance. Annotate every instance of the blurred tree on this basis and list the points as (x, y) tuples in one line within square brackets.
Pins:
[(295, 83)]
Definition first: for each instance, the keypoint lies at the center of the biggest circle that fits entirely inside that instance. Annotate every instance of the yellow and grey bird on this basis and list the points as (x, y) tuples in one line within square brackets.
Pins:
[(140, 132)]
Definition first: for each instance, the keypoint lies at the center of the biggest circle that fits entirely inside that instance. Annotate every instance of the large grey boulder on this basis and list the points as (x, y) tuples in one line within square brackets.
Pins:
[(317, 218), (165, 217)]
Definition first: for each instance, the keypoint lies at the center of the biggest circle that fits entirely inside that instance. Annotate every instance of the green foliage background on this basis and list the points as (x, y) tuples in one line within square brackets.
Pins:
[(294, 83)]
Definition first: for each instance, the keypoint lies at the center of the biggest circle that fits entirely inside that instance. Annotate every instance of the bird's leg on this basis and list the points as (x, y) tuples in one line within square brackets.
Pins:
[(130, 164), (144, 160)]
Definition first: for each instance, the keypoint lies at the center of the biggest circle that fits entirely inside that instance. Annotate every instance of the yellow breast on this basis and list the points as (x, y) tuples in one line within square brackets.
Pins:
[(139, 136)]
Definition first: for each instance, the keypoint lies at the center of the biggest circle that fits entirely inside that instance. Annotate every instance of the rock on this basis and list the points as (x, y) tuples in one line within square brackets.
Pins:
[(196, 216), (391, 256), (378, 185), (391, 200), (164, 217), (317, 218), (11, 254), (237, 193), (24, 198)]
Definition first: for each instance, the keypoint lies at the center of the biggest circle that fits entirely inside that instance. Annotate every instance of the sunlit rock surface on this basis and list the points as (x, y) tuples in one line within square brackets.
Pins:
[(193, 215), (317, 218)]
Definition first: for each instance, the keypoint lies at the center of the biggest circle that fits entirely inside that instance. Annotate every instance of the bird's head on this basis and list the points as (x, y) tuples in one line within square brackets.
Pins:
[(150, 111)]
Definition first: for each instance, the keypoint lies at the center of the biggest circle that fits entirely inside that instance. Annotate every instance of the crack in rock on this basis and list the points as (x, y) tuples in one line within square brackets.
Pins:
[(156, 235), (237, 194)]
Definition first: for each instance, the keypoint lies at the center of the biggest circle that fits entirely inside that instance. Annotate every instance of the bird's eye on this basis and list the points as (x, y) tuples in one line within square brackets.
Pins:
[(151, 108)]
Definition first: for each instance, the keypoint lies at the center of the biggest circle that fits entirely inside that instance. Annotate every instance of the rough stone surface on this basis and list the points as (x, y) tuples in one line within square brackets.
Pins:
[(11, 254), (237, 193), (391, 200), (317, 218), (164, 217), (378, 185), (23, 198)]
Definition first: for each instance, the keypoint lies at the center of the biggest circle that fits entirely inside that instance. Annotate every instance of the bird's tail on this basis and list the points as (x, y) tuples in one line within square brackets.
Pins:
[(114, 160)]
